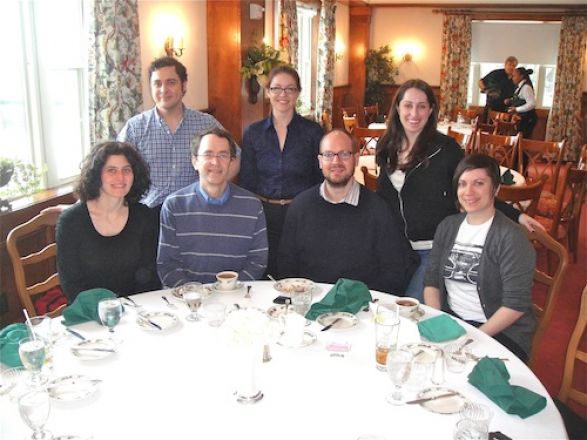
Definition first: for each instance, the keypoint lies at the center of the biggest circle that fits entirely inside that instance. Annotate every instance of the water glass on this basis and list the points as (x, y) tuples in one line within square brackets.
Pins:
[(456, 356), (399, 366), (301, 301), (386, 333), (110, 312), (476, 412), (32, 354), (192, 294), (34, 409), (40, 328), (469, 430), (213, 313)]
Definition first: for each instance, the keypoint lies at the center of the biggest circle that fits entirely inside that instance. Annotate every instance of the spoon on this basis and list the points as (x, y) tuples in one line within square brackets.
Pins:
[(271, 278), (248, 294), (173, 306)]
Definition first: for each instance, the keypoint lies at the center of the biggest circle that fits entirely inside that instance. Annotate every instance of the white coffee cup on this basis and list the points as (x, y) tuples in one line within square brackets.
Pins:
[(407, 306), (227, 280)]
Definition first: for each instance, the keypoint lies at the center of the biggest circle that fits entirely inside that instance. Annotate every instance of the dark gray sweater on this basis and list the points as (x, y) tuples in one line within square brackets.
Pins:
[(506, 272)]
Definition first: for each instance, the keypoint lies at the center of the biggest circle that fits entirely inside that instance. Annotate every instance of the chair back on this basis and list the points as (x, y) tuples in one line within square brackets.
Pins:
[(41, 227), (504, 149), (456, 135), (367, 138), (522, 197), (571, 215), (499, 116), (369, 179), (371, 113), (350, 122), (506, 128), (326, 121), (574, 354), (543, 159), (551, 279), (483, 127), (349, 111)]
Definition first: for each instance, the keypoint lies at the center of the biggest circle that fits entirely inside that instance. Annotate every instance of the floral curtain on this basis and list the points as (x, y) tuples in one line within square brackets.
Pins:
[(114, 66), (562, 121), (325, 73), (455, 61), (288, 30)]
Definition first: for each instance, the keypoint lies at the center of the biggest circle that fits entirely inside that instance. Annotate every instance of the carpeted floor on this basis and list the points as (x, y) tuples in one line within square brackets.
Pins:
[(552, 350)]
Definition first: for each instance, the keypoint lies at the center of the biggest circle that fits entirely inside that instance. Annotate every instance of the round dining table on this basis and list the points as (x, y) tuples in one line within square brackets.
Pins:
[(179, 383)]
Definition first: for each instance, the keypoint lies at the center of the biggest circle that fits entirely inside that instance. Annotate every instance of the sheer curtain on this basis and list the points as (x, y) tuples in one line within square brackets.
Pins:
[(455, 61), (288, 30), (562, 121), (114, 66), (325, 74)]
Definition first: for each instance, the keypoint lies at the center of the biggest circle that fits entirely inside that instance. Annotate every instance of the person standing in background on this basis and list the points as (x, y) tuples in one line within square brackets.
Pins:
[(498, 86), (523, 101)]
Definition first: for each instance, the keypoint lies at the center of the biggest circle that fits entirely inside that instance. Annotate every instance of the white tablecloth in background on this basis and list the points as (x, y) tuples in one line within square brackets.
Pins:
[(177, 385)]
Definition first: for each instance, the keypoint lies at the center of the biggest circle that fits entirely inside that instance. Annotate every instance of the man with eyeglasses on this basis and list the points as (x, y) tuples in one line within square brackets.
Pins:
[(211, 225), (339, 229)]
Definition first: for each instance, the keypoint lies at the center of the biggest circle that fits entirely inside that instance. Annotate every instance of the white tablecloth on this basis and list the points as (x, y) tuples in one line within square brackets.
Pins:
[(177, 384)]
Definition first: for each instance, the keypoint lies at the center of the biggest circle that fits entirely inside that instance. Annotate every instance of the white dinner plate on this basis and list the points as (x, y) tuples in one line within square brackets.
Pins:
[(424, 353), (347, 320), (215, 287), (72, 387), (289, 285), (445, 405), (165, 320), (309, 339), (93, 349)]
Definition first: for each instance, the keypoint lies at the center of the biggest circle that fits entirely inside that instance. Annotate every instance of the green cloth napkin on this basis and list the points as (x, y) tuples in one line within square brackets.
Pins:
[(85, 306), (507, 178), (10, 336), (441, 328), (491, 377), (345, 296)]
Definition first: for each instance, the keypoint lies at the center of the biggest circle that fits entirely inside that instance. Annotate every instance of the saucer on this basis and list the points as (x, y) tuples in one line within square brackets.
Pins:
[(309, 339), (347, 320), (72, 387), (445, 405), (287, 286), (165, 320), (215, 287)]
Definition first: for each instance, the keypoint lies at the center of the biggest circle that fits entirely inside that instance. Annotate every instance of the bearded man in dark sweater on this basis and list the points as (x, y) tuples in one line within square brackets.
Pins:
[(339, 229)]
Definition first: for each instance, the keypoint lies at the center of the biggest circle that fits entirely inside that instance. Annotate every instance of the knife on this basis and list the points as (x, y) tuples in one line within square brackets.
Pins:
[(151, 323), (76, 334), (428, 399), (107, 350), (331, 324)]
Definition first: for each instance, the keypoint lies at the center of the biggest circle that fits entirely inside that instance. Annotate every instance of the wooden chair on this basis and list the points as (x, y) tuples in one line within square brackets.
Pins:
[(575, 425), (367, 139), (552, 207), (541, 158), (350, 123), (371, 113), (326, 121), (506, 128), (457, 136), (504, 149), (570, 218), (43, 225), (552, 279), (484, 128), (522, 197), (499, 116), (369, 179)]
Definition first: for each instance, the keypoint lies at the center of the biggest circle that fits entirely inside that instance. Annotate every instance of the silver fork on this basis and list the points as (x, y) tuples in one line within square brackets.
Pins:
[(248, 294), (169, 304)]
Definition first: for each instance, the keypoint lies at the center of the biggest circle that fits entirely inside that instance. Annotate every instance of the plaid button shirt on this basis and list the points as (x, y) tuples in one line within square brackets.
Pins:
[(168, 154)]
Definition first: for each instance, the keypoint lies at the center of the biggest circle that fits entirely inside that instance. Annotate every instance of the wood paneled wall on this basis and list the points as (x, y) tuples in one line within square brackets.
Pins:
[(359, 31)]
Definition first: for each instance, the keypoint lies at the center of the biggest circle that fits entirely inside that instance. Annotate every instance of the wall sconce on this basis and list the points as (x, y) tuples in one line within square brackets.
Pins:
[(339, 49), (173, 51), (407, 57)]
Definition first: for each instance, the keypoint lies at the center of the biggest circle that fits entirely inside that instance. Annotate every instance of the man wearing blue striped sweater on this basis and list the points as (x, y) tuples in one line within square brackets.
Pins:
[(211, 225)]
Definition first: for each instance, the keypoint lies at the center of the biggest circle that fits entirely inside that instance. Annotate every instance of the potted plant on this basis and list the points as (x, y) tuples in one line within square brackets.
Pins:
[(380, 71), (17, 179), (258, 63)]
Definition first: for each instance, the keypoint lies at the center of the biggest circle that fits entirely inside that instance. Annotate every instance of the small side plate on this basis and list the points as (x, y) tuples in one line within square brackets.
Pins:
[(347, 320), (165, 320), (289, 285), (215, 287), (445, 405), (72, 387), (309, 339), (93, 349), (277, 310)]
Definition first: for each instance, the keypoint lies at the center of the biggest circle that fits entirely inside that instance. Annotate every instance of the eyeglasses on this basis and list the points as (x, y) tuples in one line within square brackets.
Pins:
[(329, 156), (279, 90), (222, 157)]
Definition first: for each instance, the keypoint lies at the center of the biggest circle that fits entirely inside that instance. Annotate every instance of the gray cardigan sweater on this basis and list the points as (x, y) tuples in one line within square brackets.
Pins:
[(506, 271)]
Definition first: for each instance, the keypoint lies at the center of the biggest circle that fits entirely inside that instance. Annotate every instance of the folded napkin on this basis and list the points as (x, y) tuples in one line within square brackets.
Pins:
[(441, 328), (491, 377), (345, 296), (10, 337), (507, 178), (85, 306)]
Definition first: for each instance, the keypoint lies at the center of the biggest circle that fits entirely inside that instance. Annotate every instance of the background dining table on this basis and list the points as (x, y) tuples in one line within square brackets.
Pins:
[(178, 383)]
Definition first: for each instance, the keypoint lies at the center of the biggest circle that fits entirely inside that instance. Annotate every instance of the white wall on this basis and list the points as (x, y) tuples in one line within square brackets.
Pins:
[(341, 67), (188, 18)]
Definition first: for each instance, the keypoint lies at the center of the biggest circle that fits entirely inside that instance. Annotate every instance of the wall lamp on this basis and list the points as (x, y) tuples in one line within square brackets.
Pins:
[(172, 51)]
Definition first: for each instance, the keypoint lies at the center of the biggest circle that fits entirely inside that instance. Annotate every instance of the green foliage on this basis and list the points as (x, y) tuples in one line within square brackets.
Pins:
[(26, 178), (380, 71), (260, 60)]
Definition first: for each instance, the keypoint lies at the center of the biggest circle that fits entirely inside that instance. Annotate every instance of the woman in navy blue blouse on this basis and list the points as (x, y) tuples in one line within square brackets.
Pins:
[(280, 155)]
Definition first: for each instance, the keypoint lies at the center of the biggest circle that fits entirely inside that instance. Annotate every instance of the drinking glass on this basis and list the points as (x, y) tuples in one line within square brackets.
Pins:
[(301, 301), (110, 312), (469, 430), (32, 355), (34, 409), (399, 363), (386, 332), (40, 328), (192, 294), (477, 413)]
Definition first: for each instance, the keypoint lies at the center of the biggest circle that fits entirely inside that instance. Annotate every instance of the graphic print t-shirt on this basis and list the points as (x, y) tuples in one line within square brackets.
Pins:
[(461, 271)]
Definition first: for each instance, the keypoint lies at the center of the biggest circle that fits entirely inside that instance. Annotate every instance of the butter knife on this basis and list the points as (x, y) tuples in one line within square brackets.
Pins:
[(151, 323), (331, 324), (107, 350), (428, 399)]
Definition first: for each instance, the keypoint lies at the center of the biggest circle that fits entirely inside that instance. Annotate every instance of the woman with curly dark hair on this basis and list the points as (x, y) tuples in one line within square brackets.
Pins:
[(109, 240)]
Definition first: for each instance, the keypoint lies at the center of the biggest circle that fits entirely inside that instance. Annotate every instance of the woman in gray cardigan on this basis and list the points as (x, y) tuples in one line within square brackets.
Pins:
[(482, 264)]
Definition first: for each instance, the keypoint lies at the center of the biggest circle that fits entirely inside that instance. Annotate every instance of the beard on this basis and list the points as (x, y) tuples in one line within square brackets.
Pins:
[(342, 182)]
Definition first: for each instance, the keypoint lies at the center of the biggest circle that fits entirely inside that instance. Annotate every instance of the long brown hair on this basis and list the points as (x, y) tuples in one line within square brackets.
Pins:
[(391, 142)]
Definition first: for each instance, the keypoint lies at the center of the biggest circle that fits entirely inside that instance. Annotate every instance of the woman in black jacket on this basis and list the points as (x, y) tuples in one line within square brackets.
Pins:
[(417, 165)]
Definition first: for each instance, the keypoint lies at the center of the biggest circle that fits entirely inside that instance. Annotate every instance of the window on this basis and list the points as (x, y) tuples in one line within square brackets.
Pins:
[(43, 101), (307, 42)]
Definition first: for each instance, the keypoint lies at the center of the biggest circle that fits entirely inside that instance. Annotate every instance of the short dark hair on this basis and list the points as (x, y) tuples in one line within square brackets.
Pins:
[(474, 162), (354, 143), (168, 62), (288, 70), (216, 131), (90, 179), (525, 74)]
